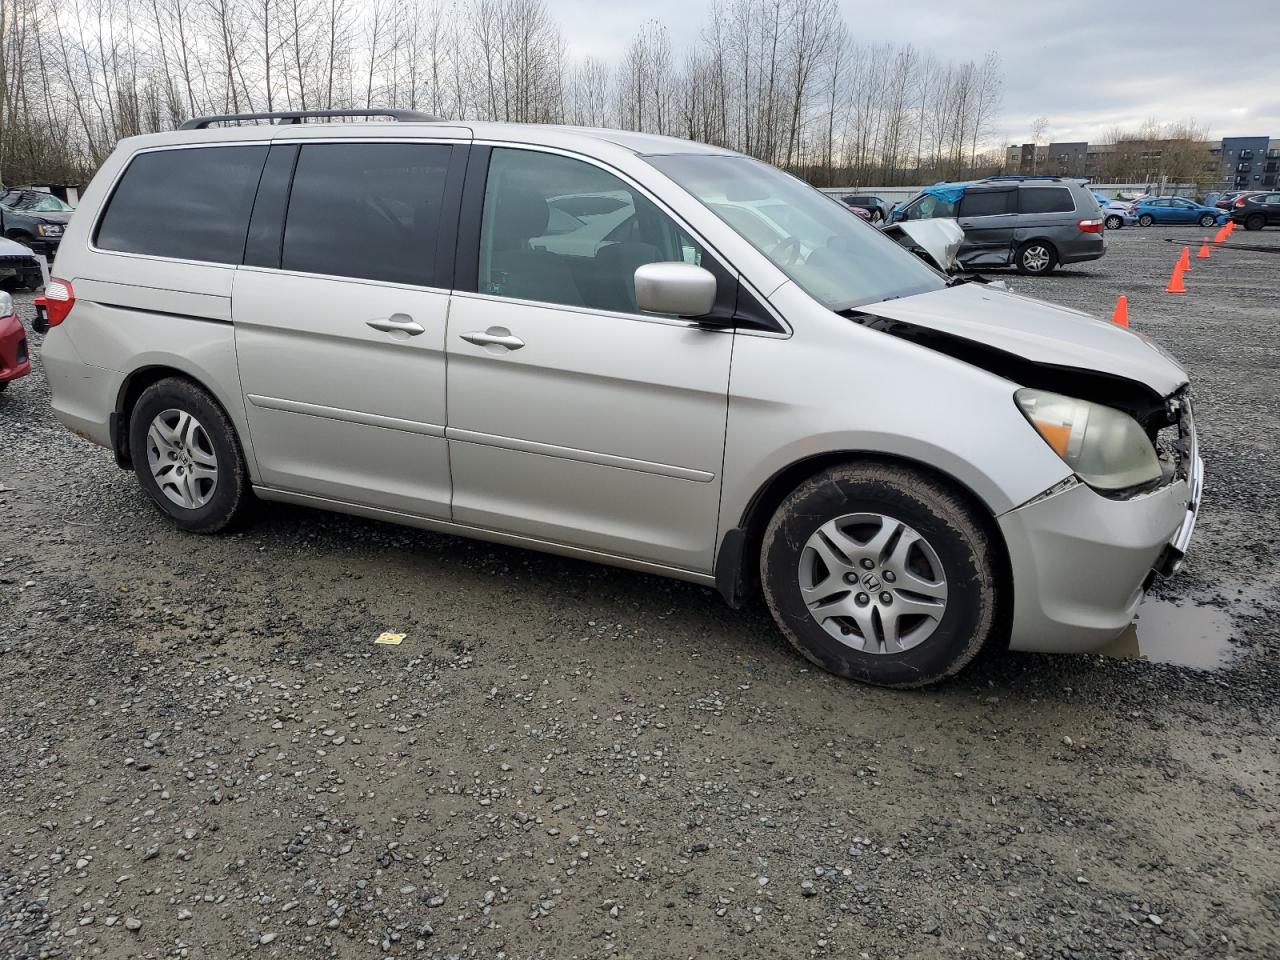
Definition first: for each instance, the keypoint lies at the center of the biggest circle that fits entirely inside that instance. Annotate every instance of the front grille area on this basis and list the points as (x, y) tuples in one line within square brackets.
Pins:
[(1175, 442)]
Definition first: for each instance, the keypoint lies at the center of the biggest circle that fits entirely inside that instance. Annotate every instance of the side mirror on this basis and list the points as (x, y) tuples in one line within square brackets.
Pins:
[(682, 289)]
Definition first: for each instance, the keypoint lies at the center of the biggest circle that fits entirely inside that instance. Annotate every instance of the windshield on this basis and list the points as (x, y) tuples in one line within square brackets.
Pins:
[(832, 255), (37, 203)]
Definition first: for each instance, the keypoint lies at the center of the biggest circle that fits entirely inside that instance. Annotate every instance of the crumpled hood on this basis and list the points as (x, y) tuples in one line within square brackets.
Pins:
[(1036, 331), (48, 216)]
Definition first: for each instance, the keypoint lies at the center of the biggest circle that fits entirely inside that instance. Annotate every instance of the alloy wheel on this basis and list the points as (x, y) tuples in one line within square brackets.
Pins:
[(873, 583), (182, 459)]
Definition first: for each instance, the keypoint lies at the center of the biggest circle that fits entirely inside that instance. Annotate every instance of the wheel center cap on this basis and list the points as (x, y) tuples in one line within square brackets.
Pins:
[(871, 582)]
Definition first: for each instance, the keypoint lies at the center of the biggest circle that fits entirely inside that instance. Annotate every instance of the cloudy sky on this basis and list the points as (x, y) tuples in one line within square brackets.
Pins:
[(1086, 65)]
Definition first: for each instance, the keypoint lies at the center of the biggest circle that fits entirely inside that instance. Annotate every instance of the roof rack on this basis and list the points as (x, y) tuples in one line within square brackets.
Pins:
[(297, 116), (1029, 176)]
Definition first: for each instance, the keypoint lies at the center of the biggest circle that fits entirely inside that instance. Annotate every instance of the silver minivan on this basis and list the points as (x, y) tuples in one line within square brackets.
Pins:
[(627, 348)]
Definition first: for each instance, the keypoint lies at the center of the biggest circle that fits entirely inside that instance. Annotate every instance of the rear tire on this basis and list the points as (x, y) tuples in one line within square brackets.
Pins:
[(187, 457), (1036, 258), (1255, 221), (868, 521), (1146, 220), (1114, 222)]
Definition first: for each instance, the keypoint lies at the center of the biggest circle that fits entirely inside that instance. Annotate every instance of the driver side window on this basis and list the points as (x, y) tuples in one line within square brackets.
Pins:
[(558, 230), (928, 207)]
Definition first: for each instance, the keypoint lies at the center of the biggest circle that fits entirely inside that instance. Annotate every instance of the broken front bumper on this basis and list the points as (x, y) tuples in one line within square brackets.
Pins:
[(1083, 562)]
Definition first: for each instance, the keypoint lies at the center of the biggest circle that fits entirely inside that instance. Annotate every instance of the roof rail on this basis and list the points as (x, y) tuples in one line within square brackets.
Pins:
[(297, 116), (1029, 176)]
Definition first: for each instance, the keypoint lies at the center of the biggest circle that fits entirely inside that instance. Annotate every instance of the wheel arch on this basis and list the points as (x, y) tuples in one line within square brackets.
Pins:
[(132, 387), (738, 554)]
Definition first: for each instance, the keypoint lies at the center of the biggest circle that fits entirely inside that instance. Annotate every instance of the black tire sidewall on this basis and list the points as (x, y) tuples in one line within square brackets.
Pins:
[(1255, 222), (230, 491), (970, 613)]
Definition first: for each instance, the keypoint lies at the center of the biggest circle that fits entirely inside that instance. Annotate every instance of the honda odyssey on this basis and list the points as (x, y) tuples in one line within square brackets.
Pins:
[(627, 348)]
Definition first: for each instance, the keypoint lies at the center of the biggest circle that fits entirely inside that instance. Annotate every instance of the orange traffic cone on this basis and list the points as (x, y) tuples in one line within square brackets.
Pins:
[(1120, 317), (1175, 280), (1220, 235), (1203, 253), (1185, 260), (1231, 228)]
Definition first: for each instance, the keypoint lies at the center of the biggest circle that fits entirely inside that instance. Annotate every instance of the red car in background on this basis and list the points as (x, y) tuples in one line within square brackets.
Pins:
[(15, 361)]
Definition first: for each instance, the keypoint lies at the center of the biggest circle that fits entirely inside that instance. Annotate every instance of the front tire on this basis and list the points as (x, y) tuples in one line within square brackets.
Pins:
[(880, 574), (1255, 222), (187, 457), (1146, 220), (1208, 220), (1114, 222), (1035, 258)]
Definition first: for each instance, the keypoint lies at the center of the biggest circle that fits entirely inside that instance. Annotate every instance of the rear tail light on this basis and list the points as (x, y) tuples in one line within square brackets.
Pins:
[(1240, 202), (1090, 226), (59, 298)]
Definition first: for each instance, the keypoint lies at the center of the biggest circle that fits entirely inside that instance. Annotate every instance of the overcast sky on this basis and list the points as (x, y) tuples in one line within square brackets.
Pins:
[(1085, 65)]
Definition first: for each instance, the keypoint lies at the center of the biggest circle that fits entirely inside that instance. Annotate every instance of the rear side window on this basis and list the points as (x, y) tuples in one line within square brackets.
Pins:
[(1045, 200), (986, 204), (190, 204), (366, 210)]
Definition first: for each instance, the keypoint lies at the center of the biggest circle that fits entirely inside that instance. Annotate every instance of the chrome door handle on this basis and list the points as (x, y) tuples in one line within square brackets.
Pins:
[(398, 323), (495, 337)]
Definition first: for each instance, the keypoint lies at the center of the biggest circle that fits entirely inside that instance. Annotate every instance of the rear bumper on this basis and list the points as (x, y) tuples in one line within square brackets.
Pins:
[(15, 361), (83, 396), (1080, 249), (1082, 562)]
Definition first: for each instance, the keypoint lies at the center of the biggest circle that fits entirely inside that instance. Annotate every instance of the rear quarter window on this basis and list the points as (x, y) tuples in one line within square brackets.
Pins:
[(1045, 200), (189, 204)]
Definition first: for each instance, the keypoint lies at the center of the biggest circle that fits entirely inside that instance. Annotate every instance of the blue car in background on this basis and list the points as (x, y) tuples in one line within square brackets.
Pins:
[(1177, 210)]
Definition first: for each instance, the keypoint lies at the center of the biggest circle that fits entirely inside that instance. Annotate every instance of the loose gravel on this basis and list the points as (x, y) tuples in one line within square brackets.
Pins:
[(204, 754)]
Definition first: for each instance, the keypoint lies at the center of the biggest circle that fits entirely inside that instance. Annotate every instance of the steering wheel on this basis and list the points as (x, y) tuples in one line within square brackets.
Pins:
[(786, 252)]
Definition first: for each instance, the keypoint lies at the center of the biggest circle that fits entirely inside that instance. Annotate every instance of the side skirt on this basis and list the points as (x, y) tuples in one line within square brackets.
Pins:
[(482, 533)]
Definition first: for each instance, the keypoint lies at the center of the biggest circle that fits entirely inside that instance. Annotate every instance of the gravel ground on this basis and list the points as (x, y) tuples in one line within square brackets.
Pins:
[(205, 754)]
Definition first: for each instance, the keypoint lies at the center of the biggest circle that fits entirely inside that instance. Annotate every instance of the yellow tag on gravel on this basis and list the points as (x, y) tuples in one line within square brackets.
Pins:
[(391, 638)]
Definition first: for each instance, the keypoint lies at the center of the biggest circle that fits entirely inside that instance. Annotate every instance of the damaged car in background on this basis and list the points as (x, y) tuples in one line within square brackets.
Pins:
[(731, 380)]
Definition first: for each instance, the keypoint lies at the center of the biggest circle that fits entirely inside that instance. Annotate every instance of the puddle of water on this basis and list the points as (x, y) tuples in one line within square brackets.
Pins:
[(1188, 635)]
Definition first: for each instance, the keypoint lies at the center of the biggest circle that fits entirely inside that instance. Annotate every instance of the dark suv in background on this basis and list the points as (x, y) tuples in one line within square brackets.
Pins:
[(1032, 223), (1257, 210), (34, 218)]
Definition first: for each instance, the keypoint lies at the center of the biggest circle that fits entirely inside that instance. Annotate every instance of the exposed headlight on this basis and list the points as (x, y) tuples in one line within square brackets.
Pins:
[(1106, 448), (50, 229), (6, 304)]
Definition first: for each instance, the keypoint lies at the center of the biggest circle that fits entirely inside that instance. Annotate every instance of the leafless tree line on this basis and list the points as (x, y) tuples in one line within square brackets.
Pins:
[(1178, 152), (779, 79)]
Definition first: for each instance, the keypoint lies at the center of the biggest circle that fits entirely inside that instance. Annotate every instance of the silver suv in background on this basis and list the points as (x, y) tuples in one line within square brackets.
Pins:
[(626, 348), (1032, 223)]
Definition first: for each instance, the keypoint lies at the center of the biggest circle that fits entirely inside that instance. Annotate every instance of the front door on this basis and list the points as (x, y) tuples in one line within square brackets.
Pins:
[(573, 417), (340, 324)]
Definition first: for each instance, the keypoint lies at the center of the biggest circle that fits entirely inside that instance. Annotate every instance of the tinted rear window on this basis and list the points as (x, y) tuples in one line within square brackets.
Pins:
[(190, 204), (986, 204), (367, 210), (1045, 200)]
